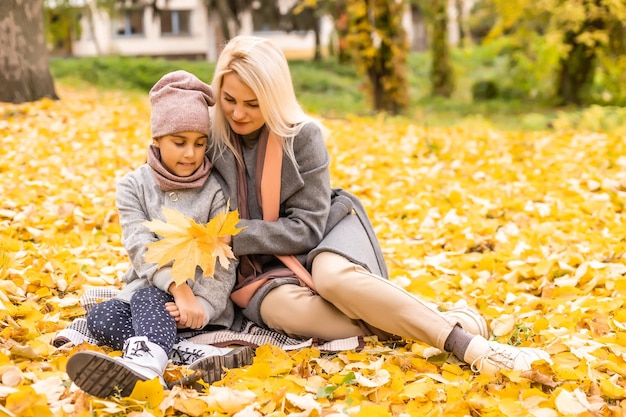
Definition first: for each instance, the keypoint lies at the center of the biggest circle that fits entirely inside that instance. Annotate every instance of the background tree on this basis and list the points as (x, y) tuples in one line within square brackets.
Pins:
[(578, 32), (379, 47), (24, 72), (441, 73), (338, 10), (228, 12), (305, 15), (61, 22)]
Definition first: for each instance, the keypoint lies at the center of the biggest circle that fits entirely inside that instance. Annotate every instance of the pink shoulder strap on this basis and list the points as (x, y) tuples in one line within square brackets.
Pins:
[(270, 199)]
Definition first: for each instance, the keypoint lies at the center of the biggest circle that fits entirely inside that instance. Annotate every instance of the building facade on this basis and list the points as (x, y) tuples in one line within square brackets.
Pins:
[(180, 29)]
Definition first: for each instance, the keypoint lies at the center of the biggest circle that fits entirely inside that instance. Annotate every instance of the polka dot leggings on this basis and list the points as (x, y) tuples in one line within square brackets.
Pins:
[(113, 321)]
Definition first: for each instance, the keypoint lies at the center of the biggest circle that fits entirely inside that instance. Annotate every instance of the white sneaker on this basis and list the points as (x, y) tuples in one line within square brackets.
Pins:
[(185, 352), (469, 319), (145, 358), (103, 376), (488, 358), (212, 368)]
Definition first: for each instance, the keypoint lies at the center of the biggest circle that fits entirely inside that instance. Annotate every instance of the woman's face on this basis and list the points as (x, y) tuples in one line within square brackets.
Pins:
[(240, 106)]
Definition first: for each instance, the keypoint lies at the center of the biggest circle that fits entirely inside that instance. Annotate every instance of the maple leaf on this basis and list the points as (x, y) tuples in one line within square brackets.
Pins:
[(189, 244)]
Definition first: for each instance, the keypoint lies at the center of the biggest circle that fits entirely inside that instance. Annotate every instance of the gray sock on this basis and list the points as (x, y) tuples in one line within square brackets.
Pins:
[(457, 342)]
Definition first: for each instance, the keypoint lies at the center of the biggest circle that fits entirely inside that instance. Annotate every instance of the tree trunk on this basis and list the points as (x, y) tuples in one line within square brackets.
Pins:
[(419, 42), (340, 16), (24, 72), (441, 72), (575, 74), (91, 10), (318, 41), (380, 47), (577, 69), (229, 22)]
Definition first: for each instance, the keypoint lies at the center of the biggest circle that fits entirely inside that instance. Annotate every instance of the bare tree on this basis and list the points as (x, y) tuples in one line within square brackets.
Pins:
[(24, 72), (228, 12)]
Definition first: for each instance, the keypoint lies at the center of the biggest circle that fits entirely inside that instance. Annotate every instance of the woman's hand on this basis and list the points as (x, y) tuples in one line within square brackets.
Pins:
[(185, 309)]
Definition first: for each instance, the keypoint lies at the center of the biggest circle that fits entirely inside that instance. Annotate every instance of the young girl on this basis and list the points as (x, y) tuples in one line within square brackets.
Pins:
[(256, 110), (143, 319)]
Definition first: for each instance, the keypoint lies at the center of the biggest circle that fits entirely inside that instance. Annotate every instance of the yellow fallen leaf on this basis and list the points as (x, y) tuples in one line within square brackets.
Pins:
[(511, 408), (107, 406), (372, 410), (566, 403), (26, 402), (304, 402), (417, 389), (193, 407), (612, 390), (150, 391), (378, 379), (502, 325), (228, 400), (190, 245)]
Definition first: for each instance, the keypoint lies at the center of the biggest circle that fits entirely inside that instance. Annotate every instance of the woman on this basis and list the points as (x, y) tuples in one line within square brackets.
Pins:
[(342, 292)]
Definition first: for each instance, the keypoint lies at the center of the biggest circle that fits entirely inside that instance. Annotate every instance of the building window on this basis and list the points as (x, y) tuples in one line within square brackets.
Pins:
[(129, 23), (175, 22)]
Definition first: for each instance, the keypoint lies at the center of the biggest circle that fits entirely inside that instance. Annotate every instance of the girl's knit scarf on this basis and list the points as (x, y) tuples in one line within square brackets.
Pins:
[(168, 181)]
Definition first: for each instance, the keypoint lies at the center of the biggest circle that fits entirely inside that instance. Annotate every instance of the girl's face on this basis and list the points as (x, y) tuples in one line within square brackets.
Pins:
[(240, 105), (182, 153)]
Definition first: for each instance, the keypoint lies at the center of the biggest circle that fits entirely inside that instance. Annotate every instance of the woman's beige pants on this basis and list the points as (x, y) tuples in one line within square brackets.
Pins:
[(348, 295)]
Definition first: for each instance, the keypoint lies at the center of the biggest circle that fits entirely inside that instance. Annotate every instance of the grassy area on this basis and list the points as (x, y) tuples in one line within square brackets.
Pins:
[(334, 90)]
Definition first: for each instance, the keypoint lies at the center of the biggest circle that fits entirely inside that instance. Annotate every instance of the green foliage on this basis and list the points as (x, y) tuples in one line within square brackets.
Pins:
[(609, 80), (329, 390), (484, 90), (124, 72), (564, 39), (523, 69), (329, 88), (61, 24), (324, 87), (334, 90), (521, 333)]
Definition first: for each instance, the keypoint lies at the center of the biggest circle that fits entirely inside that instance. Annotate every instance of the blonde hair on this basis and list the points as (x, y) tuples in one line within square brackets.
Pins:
[(262, 66)]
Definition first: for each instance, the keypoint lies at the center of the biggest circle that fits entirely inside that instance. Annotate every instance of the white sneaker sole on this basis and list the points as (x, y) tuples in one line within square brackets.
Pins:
[(213, 367), (100, 375)]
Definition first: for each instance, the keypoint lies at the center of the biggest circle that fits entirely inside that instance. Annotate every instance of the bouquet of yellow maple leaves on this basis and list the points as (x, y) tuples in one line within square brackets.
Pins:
[(189, 244)]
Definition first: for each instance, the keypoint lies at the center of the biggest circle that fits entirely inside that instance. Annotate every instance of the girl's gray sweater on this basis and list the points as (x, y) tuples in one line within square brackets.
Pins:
[(139, 199)]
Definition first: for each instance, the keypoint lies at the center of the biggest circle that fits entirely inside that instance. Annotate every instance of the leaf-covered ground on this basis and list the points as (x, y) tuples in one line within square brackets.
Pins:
[(527, 227)]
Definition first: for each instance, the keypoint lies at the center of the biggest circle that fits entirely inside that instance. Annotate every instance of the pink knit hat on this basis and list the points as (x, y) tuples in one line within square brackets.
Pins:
[(180, 103)]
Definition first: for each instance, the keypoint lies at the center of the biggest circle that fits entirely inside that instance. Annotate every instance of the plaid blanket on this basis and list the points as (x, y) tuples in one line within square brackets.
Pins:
[(247, 333)]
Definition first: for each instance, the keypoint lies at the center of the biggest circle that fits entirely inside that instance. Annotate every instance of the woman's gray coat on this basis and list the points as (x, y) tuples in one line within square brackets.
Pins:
[(313, 217)]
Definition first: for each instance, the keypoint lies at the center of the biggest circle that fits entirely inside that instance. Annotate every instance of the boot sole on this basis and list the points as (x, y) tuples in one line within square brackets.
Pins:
[(100, 375), (213, 367)]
